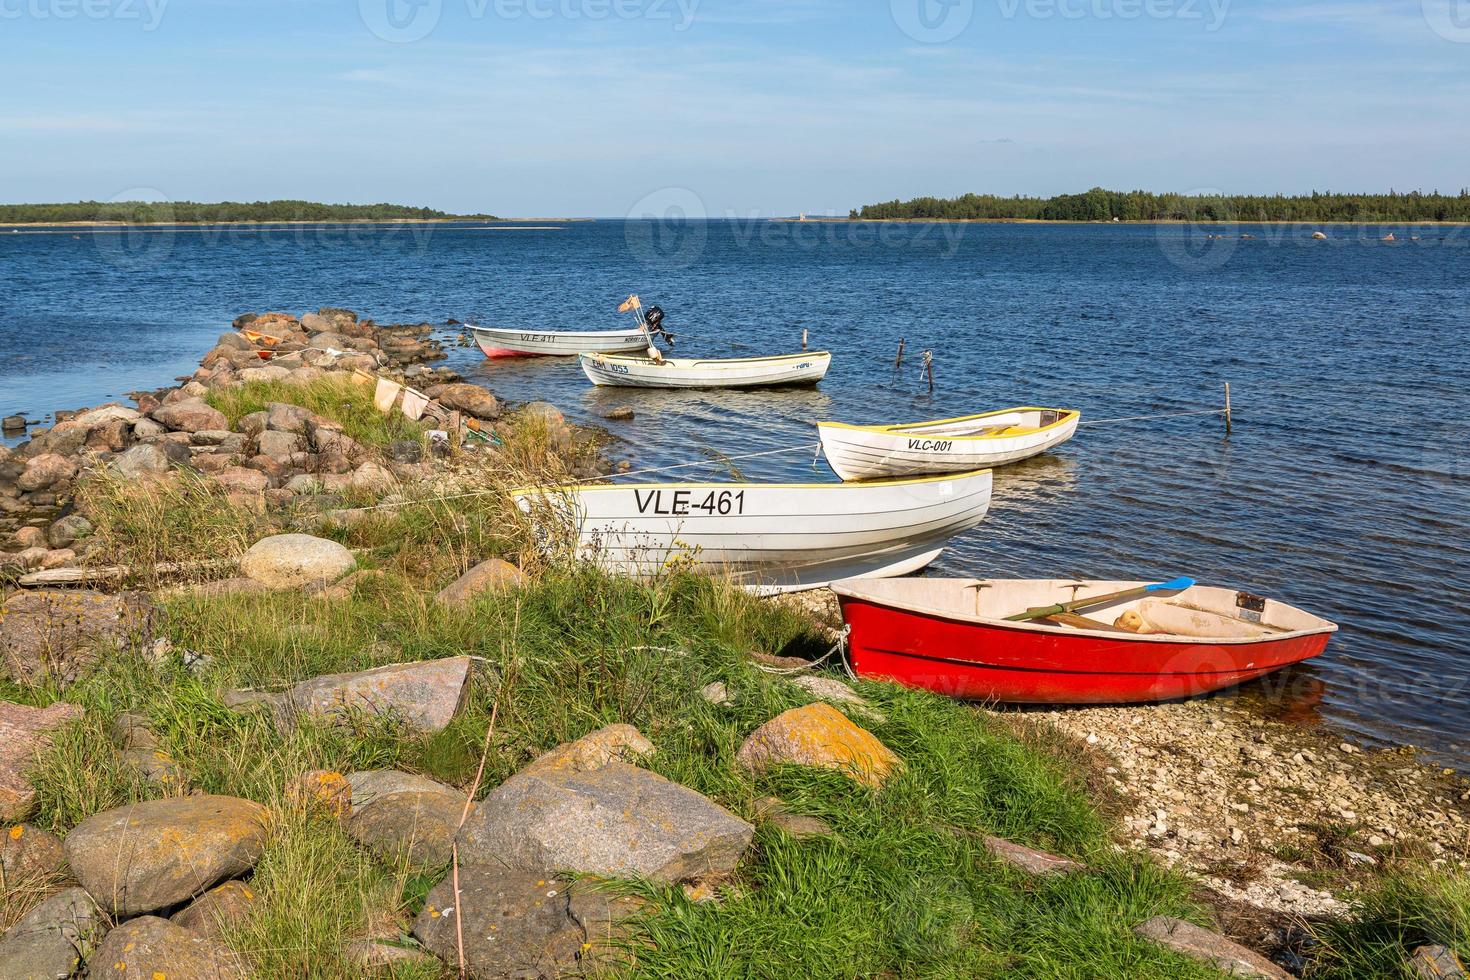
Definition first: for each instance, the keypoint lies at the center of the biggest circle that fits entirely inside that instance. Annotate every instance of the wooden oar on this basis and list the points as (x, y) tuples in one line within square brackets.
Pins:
[(1041, 612), (1083, 623)]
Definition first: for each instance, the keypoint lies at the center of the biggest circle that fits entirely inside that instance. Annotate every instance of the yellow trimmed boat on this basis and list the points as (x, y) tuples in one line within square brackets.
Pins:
[(958, 445)]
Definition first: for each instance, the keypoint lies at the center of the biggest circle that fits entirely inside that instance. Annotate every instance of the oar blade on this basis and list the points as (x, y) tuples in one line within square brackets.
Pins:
[(1173, 585)]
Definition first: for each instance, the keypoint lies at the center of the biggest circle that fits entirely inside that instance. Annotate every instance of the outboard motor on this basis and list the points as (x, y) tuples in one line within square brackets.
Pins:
[(653, 318)]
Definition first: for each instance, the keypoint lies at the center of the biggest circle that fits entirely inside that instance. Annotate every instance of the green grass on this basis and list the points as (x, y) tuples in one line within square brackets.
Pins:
[(146, 524), (905, 888), (335, 398), (1401, 912)]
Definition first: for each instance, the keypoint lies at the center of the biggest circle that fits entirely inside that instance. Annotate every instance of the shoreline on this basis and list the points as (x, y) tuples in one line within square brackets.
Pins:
[(1160, 221), (1282, 818), (1214, 787), (283, 224)]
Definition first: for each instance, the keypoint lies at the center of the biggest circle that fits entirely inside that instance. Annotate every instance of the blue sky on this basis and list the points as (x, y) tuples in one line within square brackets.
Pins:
[(732, 107)]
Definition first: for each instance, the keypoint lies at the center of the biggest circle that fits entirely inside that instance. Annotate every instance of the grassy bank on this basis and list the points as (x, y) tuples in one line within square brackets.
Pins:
[(904, 888)]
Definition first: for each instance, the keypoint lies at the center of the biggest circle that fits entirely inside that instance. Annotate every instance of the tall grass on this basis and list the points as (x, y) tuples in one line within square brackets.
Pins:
[(904, 888), (185, 519), (430, 529), (333, 397), (1403, 911)]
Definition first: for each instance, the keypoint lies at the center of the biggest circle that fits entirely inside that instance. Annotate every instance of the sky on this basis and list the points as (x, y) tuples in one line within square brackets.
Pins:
[(609, 108)]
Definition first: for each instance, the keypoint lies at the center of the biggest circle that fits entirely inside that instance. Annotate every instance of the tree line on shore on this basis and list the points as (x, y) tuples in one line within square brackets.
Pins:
[(190, 212), (1099, 204)]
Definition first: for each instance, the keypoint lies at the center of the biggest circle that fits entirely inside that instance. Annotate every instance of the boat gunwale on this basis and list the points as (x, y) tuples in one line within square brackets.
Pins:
[(849, 589), (687, 363), (846, 485), (902, 428), (631, 334)]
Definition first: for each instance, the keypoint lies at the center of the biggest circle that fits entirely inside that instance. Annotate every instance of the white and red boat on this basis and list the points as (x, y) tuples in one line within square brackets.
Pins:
[(497, 342), (960, 637)]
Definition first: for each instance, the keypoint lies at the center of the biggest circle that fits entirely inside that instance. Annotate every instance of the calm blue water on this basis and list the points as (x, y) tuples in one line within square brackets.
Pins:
[(1344, 488)]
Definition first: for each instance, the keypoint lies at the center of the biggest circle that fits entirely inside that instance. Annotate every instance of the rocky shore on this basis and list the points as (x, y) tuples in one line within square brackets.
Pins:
[(400, 745), (1276, 815), (266, 457)]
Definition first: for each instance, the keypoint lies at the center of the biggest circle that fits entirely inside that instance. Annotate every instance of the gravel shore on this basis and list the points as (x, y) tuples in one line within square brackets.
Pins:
[(1276, 815), (1263, 810)]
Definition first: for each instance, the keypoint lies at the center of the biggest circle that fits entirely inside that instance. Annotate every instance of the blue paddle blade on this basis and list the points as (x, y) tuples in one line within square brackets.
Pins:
[(1177, 585)]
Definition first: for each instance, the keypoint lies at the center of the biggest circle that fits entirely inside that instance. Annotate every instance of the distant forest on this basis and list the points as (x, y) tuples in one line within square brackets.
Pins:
[(1104, 205), (188, 212)]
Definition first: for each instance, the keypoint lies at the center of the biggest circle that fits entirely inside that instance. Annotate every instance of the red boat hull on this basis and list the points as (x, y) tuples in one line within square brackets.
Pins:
[(498, 352), (984, 662)]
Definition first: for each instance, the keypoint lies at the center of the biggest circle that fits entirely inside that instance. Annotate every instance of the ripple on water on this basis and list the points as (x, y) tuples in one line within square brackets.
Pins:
[(1343, 487)]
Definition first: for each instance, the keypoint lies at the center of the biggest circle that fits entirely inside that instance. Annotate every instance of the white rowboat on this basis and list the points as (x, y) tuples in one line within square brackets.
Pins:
[(678, 372), (510, 342), (772, 537), (871, 452)]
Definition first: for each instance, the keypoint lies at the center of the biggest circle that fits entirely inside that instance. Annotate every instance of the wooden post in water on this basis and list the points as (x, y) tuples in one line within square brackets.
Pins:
[(803, 338), (1227, 408), (898, 361), (929, 369)]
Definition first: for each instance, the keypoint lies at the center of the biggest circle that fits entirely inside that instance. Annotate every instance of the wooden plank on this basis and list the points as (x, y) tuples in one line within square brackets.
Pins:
[(114, 573), (1083, 623)]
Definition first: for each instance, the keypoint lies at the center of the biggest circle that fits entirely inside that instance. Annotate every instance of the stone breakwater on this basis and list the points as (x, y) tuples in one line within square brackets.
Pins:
[(267, 457)]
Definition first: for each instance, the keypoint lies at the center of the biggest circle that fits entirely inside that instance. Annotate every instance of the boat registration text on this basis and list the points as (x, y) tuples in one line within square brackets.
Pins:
[(935, 445), (682, 503)]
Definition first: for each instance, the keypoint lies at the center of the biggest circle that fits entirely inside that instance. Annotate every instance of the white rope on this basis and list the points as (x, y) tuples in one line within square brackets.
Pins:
[(840, 645), (1142, 418)]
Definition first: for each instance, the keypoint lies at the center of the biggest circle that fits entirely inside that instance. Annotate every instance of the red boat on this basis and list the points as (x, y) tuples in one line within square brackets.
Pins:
[(954, 637)]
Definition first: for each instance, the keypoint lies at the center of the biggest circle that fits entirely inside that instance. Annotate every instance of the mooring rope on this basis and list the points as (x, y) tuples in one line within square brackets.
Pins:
[(838, 649), (1144, 418)]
